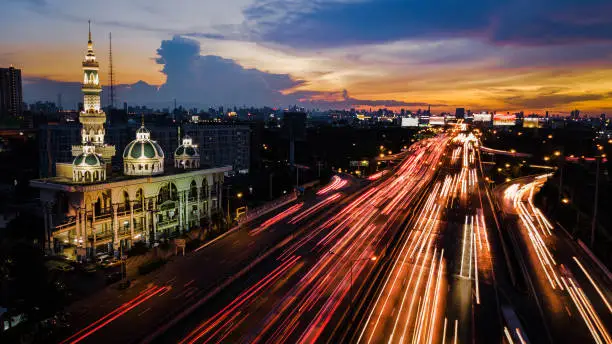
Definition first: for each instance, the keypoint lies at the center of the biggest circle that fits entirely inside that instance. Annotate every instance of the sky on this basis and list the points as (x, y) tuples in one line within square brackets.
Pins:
[(494, 55)]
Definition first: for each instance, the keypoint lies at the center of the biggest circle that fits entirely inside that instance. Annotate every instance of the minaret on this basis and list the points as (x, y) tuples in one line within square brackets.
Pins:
[(92, 117)]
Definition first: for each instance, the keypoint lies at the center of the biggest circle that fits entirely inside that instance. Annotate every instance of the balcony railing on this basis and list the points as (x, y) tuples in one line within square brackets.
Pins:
[(168, 222), (104, 215), (65, 225)]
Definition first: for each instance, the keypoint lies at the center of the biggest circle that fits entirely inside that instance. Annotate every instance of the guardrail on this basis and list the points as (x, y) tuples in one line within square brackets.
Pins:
[(309, 185), (266, 208)]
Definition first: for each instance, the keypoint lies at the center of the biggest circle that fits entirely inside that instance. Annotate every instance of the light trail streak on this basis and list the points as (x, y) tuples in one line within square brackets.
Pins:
[(456, 331), (544, 255), (336, 184), (578, 303), (520, 336), (353, 233), (538, 228), (121, 310), (244, 297), (444, 331), (279, 217), (508, 336), (406, 308), (603, 297), (315, 208), (476, 271), (377, 175)]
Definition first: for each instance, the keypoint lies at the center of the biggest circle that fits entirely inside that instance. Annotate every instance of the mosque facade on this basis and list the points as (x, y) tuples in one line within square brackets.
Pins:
[(88, 210)]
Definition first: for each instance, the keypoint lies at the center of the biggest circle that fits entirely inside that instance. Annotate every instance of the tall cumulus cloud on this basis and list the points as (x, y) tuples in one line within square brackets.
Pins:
[(196, 80)]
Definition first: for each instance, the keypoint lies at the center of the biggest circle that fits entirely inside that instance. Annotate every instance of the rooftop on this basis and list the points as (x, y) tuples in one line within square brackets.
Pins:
[(170, 172)]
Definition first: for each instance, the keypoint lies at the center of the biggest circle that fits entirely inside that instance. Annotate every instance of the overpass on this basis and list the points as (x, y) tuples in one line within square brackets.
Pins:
[(511, 153)]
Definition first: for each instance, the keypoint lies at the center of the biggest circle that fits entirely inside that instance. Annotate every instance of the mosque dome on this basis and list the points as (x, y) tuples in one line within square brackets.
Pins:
[(88, 167), (186, 155), (143, 156)]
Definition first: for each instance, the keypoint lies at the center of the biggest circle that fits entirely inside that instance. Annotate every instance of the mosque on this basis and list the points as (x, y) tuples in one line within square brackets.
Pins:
[(88, 210)]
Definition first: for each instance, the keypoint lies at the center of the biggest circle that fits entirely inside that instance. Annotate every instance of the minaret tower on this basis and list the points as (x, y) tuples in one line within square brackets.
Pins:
[(92, 117)]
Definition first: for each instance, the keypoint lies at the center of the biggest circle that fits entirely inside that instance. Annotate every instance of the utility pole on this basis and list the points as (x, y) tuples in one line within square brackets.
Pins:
[(560, 180), (228, 204), (595, 205)]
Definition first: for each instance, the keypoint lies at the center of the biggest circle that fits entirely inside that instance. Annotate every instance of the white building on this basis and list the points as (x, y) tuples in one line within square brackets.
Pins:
[(88, 210)]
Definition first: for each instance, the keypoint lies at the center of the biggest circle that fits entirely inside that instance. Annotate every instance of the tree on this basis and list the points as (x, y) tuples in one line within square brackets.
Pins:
[(27, 286)]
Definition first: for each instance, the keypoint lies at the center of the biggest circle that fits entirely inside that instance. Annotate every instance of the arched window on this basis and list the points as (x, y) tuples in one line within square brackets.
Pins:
[(140, 167), (95, 175), (126, 200), (139, 198), (98, 206), (167, 192), (193, 190), (87, 176)]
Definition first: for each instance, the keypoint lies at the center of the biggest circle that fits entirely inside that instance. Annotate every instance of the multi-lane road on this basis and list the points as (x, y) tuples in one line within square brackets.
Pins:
[(415, 254), (571, 290), (440, 285), (307, 288), (155, 300)]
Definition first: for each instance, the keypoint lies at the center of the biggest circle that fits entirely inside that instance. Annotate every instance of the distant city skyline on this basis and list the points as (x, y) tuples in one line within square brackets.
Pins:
[(523, 56)]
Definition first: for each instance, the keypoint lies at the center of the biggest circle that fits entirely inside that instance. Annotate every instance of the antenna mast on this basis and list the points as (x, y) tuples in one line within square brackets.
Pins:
[(111, 73)]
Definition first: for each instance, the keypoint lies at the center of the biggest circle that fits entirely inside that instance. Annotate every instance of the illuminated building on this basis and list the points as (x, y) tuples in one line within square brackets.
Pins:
[(531, 122), (504, 120), (437, 120), (186, 155), (143, 156), (482, 117), (89, 210), (92, 117), (410, 122)]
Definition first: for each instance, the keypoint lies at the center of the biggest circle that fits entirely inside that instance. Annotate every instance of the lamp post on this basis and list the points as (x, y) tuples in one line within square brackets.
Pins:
[(352, 263), (595, 205)]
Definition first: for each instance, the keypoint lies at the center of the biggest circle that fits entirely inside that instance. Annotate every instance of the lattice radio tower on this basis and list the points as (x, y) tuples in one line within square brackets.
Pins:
[(111, 73)]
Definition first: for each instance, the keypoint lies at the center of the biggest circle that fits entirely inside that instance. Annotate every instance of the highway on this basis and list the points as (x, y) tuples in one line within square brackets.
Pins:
[(573, 292), (155, 299), (440, 286), (413, 254), (301, 293)]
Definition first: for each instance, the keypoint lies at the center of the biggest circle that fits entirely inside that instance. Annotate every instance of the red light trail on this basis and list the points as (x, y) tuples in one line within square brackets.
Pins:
[(277, 218), (119, 311), (337, 183)]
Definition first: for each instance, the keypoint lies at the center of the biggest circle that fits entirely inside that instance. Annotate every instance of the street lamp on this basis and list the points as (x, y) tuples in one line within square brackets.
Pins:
[(352, 261), (565, 200)]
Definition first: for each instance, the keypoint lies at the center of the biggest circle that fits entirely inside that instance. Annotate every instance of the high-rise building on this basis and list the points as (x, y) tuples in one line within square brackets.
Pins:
[(11, 96), (222, 144), (460, 113), (575, 114)]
